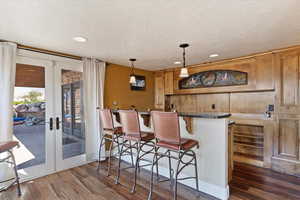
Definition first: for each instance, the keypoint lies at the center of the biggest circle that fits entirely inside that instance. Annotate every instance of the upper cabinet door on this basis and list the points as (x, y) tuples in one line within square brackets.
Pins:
[(169, 88), (159, 90), (287, 82)]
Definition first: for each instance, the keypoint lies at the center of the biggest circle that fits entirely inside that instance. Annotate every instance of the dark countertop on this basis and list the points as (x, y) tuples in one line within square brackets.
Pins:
[(208, 115)]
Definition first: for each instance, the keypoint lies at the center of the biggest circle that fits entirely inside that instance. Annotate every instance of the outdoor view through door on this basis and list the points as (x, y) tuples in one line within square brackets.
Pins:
[(73, 139), (29, 115)]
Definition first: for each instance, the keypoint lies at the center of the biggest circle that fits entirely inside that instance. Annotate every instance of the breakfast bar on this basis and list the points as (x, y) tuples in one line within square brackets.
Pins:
[(211, 130)]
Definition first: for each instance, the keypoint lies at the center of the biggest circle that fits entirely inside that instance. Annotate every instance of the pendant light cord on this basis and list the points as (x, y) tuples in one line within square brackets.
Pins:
[(132, 60), (132, 66), (184, 57)]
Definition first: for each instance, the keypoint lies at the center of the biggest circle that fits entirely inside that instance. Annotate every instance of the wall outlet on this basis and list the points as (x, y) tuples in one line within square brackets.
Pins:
[(271, 107)]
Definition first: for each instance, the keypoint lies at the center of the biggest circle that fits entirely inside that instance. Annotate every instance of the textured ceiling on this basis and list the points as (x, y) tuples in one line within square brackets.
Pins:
[(151, 30)]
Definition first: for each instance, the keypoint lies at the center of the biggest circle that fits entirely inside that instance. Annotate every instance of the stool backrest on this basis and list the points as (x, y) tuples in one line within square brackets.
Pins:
[(166, 126), (106, 119), (130, 122)]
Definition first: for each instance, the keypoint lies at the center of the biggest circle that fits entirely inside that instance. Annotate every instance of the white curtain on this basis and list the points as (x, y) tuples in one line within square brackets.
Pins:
[(93, 92), (7, 82)]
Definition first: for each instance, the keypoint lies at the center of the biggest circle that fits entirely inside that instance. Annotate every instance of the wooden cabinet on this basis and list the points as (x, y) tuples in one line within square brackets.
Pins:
[(201, 103), (252, 102), (253, 141), (287, 82), (159, 84), (273, 79), (169, 87), (287, 107), (259, 69), (286, 144)]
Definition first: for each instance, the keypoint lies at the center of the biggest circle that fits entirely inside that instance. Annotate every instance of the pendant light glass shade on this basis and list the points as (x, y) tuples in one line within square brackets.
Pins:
[(132, 79), (184, 73)]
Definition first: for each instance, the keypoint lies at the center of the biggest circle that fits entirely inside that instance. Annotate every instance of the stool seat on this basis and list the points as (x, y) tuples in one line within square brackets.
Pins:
[(115, 131), (110, 133), (185, 144), (145, 136), (5, 146), (136, 139), (167, 135)]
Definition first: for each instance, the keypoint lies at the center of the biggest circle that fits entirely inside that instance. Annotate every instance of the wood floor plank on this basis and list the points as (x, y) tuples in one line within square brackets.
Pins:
[(85, 183)]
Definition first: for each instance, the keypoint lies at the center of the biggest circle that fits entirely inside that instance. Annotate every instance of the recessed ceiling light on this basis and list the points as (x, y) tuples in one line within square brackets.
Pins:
[(80, 39), (177, 62), (213, 55)]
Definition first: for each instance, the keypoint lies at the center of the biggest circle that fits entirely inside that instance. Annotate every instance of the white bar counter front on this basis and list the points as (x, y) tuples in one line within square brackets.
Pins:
[(211, 130)]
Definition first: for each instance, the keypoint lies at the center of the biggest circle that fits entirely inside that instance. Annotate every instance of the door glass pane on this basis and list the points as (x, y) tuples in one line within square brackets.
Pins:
[(73, 139), (29, 115)]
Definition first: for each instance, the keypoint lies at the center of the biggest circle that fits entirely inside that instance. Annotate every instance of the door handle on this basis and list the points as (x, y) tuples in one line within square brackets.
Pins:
[(57, 123), (51, 123)]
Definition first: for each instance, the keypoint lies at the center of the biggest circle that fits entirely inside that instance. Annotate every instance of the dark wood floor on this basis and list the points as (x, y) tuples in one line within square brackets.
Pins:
[(83, 183)]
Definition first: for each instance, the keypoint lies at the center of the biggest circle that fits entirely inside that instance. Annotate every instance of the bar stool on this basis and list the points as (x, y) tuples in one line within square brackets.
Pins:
[(6, 147), (134, 138), (110, 133), (167, 135)]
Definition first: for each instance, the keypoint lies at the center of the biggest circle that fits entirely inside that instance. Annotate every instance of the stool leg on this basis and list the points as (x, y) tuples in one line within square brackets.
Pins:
[(157, 172), (154, 161), (16, 173), (139, 169), (100, 147), (176, 176), (136, 165), (196, 171), (170, 166), (118, 143), (109, 158), (119, 163), (131, 154)]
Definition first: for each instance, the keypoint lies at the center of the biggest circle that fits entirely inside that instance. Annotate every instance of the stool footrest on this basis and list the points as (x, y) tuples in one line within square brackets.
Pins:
[(179, 179), (7, 180), (165, 180), (7, 187)]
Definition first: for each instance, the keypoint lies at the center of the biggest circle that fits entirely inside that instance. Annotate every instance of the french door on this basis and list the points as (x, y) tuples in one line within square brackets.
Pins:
[(50, 129), (69, 116)]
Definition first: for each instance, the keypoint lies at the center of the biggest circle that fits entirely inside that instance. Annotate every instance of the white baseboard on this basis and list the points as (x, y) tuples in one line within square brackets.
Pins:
[(208, 188)]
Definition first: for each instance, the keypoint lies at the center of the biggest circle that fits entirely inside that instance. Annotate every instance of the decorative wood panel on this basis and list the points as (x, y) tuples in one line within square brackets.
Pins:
[(287, 84), (169, 88), (287, 107), (159, 90), (214, 78), (187, 103), (259, 70), (201, 103), (285, 166), (265, 72), (254, 102), (289, 80), (288, 138)]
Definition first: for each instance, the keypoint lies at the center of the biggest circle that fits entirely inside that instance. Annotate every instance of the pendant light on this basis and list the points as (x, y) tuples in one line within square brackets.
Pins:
[(184, 71), (132, 79)]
